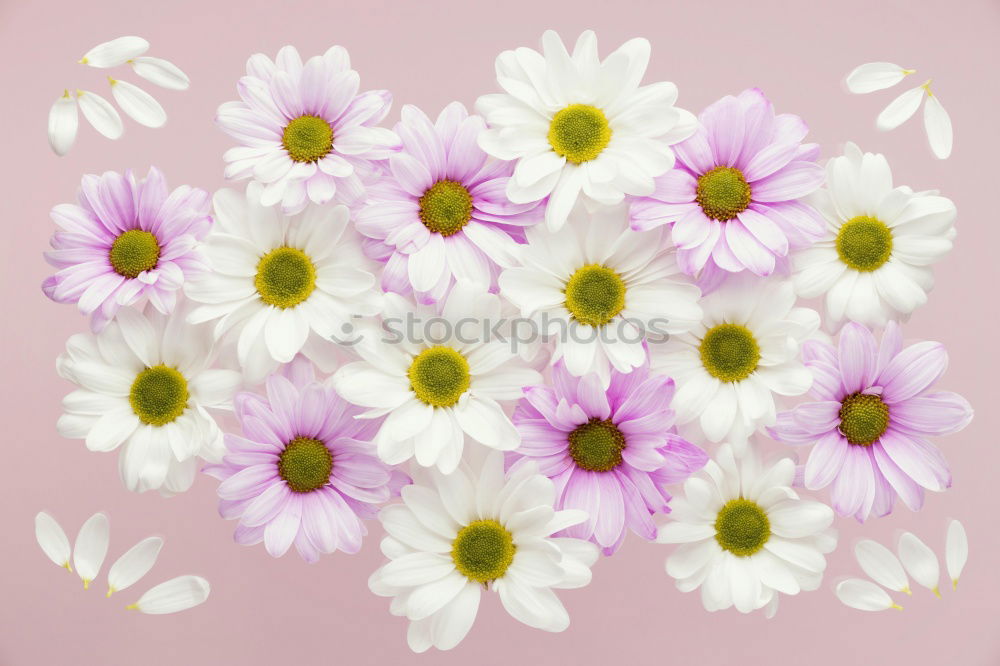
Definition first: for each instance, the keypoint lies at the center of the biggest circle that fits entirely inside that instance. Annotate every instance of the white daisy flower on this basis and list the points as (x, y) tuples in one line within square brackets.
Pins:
[(575, 123), (439, 382), (280, 284), (600, 289), (145, 383), (746, 535), (874, 263), (455, 537), (745, 350)]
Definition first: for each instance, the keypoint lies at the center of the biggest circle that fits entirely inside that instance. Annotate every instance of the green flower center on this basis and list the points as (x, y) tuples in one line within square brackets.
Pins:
[(579, 133), (439, 376), (742, 527), (483, 551), (863, 418), (597, 446), (133, 252), (723, 193), (729, 352), (285, 277), (864, 243), (305, 464), (307, 138), (446, 207), (595, 295), (158, 395)]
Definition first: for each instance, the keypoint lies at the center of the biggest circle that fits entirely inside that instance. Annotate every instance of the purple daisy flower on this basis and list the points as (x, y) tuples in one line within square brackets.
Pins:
[(306, 132), (609, 451), (441, 212), (125, 243), (870, 424), (304, 471), (733, 198)]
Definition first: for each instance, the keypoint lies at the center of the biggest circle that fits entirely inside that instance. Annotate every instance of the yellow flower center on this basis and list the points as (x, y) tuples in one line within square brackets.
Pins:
[(579, 133), (723, 193), (158, 395), (446, 207), (742, 527), (285, 277), (595, 295), (597, 446), (483, 551), (133, 252), (864, 243), (863, 418), (307, 139), (439, 376), (305, 464), (729, 352)]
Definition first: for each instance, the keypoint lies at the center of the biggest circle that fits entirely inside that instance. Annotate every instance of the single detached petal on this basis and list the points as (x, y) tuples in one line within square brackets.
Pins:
[(52, 539), (864, 595), (881, 565), (91, 546), (173, 596), (138, 104), (99, 113), (873, 76), (161, 72), (116, 52), (920, 561), (900, 109), (937, 122), (956, 551), (134, 564), (63, 123)]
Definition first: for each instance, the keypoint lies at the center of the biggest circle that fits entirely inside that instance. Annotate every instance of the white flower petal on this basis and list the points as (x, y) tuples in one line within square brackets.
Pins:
[(881, 565), (920, 561), (864, 595), (956, 551), (116, 52), (52, 539), (161, 72), (134, 564), (173, 596), (937, 122), (90, 548), (138, 104), (99, 113), (63, 123), (900, 109), (874, 76)]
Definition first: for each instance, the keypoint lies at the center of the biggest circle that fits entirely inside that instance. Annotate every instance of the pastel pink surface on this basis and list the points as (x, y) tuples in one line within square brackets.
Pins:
[(265, 611)]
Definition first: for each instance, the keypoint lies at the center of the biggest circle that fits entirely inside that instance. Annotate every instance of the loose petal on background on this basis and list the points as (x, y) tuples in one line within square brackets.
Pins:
[(900, 109), (874, 76), (116, 52), (937, 122), (90, 548), (52, 539), (881, 565), (138, 104), (63, 123), (173, 596), (920, 561), (99, 113), (134, 564), (956, 551), (864, 595), (161, 72)]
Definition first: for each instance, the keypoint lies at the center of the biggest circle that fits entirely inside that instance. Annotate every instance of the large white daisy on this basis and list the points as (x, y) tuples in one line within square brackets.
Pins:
[(438, 378), (746, 535), (730, 364), (456, 536), (600, 289), (145, 382), (874, 264), (575, 123), (276, 281)]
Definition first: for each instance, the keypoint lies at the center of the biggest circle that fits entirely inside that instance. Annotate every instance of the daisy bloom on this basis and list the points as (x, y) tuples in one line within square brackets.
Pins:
[(575, 123), (304, 471), (745, 535), (745, 350), (609, 451), (874, 262), (439, 382), (871, 418), (440, 214), (455, 537), (734, 202), (126, 243), (279, 281), (306, 133), (600, 289)]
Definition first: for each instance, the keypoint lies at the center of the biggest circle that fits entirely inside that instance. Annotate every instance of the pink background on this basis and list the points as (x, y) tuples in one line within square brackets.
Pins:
[(264, 610)]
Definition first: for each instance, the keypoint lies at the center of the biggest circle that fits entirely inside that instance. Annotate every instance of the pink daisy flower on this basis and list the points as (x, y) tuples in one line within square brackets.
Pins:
[(609, 451), (441, 213), (733, 198), (125, 243), (870, 424), (306, 132), (304, 471)]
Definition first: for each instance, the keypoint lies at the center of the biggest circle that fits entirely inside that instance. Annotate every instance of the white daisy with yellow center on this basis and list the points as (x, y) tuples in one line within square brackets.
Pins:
[(280, 284), (577, 124)]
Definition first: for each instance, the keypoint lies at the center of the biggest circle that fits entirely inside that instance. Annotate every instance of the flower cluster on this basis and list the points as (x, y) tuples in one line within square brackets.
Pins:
[(360, 307)]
